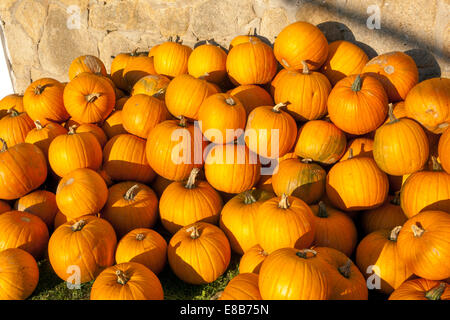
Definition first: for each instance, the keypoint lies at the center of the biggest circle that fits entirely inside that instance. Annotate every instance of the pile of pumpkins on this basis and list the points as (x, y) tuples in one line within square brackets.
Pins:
[(358, 198)]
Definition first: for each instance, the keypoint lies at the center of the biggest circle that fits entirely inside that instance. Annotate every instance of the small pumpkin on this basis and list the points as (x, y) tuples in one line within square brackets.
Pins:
[(421, 289), (138, 68), (87, 63), (251, 96), (208, 60), (118, 65), (95, 130), (252, 260), (15, 126), (113, 125), (11, 101), (152, 85), (243, 39), (244, 286), (171, 59), (41, 203), (361, 147), (42, 136), (444, 150)]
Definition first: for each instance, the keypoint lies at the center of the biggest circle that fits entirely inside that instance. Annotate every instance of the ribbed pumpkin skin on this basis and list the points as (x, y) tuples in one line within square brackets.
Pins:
[(12, 101), (301, 41), (344, 59), (361, 147), (42, 137), (19, 274), (427, 103), (427, 254), (113, 125), (251, 96), (125, 215), (252, 62), (286, 276), (137, 68), (297, 223), (416, 289), (300, 179), (358, 112), (185, 94), (154, 84), (334, 230), (237, 219), (173, 149), (171, 59), (244, 286), (25, 231), (14, 128), (200, 260), (77, 99), (96, 131), (200, 203), (23, 168), (356, 184), (350, 285), (60, 219), (88, 63), (91, 248), (444, 150), (259, 137), (144, 246), (425, 190), (41, 203), (232, 168), (142, 284), (396, 71), (208, 59), (43, 101), (252, 260), (124, 159), (376, 249), (74, 151), (81, 192), (306, 93), (320, 141)]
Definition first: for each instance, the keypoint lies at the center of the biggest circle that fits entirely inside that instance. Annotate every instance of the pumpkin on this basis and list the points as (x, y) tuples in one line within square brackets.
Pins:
[(244, 286), (361, 147), (400, 146), (185, 94), (141, 113), (334, 229), (42, 136), (19, 274), (152, 85), (23, 168), (95, 130), (159, 184), (305, 93), (136, 69), (171, 59), (301, 41), (344, 59), (387, 216), (244, 39), (199, 253), (222, 118), (41, 203), (209, 61), (127, 281), (289, 214), (113, 125), (120, 102), (423, 244), (60, 219), (292, 274), (86, 242), (74, 150), (15, 126), (421, 289), (129, 206), (88, 63), (358, 104), (252, 259), (89, 98), (174, 148), (12, 101), (426, 190), (356, 184), (252, 62), (232, 168), (321, 141), (197, 201), (144, 246), (43, 101), (25, 231), (4, 206), (238, 216), (397, 72), (81, 192), (118, 65), (427, 103), (124, 159), (251, 96), (444, 150)]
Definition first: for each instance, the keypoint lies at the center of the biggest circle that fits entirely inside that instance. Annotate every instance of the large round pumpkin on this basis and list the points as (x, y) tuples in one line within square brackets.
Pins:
[(41, 203), (244, 286), (208, 61), (421, 289), (171, 58), (42, 136), (15, 126)]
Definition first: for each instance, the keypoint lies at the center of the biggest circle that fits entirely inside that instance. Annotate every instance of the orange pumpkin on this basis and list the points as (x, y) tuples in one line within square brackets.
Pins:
[(60, 219), (244, 286), (444, 150), (118, 65), (42, 136), (41, 203), (251, 96), (252, 259), (136, 69), (152, 85), (89, 64), (95, 130), (171, 59), (15, 126), (276, 80), (12, 101), (113, 125), (209, 61), (421, 289), (361, 147), (159, 184), (243, 39)]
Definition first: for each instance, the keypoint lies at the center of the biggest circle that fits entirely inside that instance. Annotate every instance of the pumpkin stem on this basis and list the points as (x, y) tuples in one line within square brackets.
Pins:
[(392, 117), (417, 231), (248, 197), (356, 86), (394, 233), (345, 269), (39, 89), (72, 129), (304, 253), (436, 165), (182, 122), (4, 145), (230, 101), (284, 202), (38, 125), (396, 199), (278, 106), (92, 97), (350, 154), (323, 213), (121, 277), (159, 93), (134, 52), (194, 232), (190, 184), (305, 67), (12, 112), (436, 292), (204, 76), (140, 236), (77, 226), (306, 160), (131, 193)]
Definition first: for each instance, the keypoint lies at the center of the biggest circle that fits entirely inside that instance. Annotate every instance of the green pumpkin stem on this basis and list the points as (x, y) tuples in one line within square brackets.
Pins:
[(182, 122), (38, 125), (417, 230), (13, 112), (131, 193), (394, 233), (345, 269), (140, 236), (121, 277), (356, 86), (304, 253), (284, 202), (190, 184), (392, 117), (92, 97), (435, 164), (305, 67), (278, 106), (248, 197), (161, 92), (396, 200), (436, 292), (39, 89), (193, 232), (72, 129), (323, 213), (4, 145), (79, 225)]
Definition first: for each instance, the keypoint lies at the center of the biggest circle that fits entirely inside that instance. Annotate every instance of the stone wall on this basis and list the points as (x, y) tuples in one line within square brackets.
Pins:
[(44, 36)]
